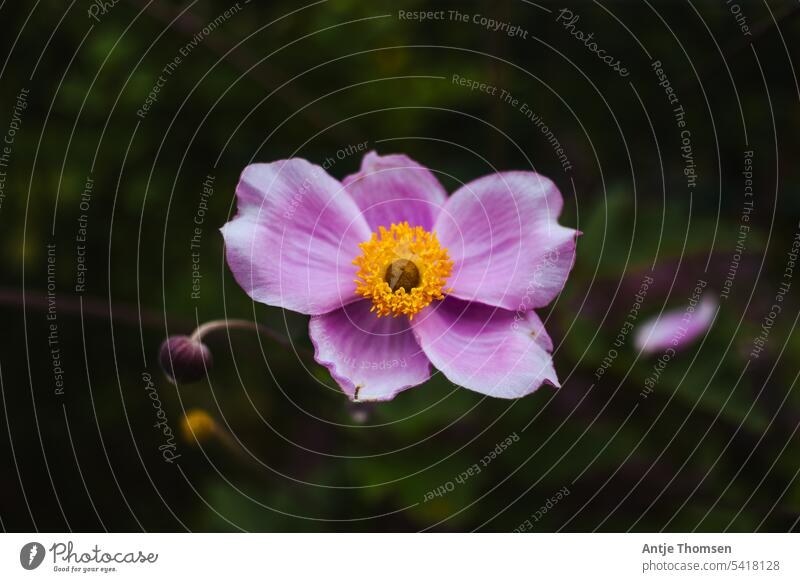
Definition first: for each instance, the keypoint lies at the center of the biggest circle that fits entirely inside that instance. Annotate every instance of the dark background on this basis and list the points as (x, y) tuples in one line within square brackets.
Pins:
[(715, 447)]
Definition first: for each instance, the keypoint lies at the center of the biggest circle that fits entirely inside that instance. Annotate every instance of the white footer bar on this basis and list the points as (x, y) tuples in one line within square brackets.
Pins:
[(400, 557)]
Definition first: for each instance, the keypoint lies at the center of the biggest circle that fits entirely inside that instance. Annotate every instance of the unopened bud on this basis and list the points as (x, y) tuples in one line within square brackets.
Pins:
[(184, 359), (198, 425)]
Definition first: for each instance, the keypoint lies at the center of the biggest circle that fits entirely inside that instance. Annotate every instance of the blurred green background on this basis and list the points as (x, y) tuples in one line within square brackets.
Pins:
[(714, 447)]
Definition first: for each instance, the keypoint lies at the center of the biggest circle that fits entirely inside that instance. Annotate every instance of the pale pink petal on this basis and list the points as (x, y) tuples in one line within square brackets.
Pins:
[(371, 357), (393, 189), (504, 238), (294, 238), (677, 328), (486, 349)]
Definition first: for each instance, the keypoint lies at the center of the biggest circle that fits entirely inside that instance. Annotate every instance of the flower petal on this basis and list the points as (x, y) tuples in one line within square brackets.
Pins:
[(506, 244), (677, 328), (486, 349), (294, 238), (371, 357), (394, 188)]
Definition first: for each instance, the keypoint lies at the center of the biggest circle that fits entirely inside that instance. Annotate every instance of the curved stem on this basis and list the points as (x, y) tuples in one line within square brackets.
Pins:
[(228, 324)]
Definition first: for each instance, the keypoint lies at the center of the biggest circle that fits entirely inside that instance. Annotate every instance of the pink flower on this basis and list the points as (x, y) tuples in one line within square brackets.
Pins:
[(397, 276)]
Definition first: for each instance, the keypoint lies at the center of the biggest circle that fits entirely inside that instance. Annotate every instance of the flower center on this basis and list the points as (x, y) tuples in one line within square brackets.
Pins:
[(402, 273), (402, 270)]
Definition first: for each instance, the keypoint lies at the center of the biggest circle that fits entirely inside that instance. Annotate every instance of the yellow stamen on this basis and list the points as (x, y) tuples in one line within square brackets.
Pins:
[(402, 270)]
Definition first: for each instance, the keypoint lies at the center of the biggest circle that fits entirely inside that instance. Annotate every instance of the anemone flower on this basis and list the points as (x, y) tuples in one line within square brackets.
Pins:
[(397, 276)]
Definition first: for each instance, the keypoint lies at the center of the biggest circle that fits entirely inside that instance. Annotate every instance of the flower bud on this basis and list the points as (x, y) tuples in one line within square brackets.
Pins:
[(184, 359), (198, 425)]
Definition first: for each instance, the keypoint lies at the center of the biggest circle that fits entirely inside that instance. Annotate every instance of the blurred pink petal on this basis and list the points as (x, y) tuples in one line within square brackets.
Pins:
[(677, 328)]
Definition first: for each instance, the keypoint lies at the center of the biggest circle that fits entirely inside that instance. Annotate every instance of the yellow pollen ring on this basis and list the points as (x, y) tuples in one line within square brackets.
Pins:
[(389, 250)]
